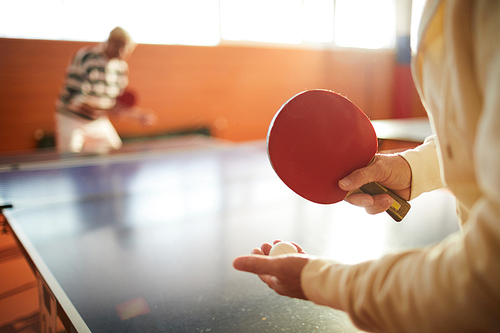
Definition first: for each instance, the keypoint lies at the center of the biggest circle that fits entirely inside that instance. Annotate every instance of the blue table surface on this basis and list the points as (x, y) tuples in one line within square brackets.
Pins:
[(157, 231)]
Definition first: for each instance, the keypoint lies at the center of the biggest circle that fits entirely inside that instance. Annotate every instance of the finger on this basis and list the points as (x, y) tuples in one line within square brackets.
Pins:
[(360, 199), (357, 179), (381, 203), (263, 264), (277, 265), (256, 264), (257, 251), (299, 248), (373, 204), (266, 248)]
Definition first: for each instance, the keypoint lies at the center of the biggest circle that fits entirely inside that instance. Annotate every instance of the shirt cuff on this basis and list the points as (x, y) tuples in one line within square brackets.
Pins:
[(320, 279), (425, 169)]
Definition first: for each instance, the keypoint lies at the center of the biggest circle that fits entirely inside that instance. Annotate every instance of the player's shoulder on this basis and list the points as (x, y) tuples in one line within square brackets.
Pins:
[(87, 54)]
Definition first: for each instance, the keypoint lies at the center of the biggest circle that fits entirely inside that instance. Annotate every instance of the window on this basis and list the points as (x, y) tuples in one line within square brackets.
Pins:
[(192, 22), (416, 14), (189, 22), (345, 23), (277, 21), (365, 23)]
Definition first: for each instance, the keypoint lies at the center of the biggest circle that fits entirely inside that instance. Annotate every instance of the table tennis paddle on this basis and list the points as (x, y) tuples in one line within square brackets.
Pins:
[(317, 138), (127, 98)]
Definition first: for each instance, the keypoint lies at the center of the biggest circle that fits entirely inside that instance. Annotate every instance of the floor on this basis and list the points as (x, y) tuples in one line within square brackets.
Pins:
[(18, 288)]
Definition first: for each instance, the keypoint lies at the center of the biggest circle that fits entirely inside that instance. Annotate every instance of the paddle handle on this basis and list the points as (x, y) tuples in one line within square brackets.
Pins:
[(399, 207)]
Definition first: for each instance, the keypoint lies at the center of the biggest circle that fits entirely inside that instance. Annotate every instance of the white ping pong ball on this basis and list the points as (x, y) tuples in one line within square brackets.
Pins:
[(282, 248)]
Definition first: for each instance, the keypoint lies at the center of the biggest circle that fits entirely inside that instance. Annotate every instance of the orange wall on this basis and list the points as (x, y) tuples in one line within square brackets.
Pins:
[(231, 89)]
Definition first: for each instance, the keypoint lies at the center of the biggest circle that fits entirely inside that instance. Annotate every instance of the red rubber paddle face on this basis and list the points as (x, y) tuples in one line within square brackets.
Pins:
[(317, 138), (127, 98)]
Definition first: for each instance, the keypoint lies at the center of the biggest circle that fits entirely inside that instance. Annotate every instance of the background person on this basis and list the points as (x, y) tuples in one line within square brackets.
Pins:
[(95, 79)]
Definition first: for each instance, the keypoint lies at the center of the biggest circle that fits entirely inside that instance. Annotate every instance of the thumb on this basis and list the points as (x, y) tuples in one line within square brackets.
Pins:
[(281, 265), (358, 178), (257, 264)]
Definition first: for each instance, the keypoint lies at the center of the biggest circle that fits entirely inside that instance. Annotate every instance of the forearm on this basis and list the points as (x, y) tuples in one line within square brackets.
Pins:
[(92, 111), (436, 289), (452, 286)]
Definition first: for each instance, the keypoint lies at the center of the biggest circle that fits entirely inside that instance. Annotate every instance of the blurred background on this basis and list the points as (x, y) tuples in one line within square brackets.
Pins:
[(221, 67)]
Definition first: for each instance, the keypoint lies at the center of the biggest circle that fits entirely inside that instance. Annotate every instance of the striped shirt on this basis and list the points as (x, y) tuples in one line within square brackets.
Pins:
[(92, 79)]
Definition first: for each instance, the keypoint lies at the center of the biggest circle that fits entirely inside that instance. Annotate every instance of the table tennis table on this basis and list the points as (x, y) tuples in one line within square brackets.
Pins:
[(143, 239)]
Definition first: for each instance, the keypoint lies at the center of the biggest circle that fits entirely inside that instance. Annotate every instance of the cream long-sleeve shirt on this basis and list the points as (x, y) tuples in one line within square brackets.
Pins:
[(453, 286)]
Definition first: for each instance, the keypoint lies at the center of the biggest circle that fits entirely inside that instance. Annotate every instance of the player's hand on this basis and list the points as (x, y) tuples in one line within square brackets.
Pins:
[(148, 118), (91, 111), (281, 273), (266, 248), (118, 111), (391, 171)]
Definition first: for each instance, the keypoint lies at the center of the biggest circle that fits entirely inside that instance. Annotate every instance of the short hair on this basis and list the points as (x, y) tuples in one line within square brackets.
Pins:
[(119, 33)]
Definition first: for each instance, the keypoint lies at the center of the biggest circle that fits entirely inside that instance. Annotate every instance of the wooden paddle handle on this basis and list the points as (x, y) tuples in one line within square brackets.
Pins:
[(399, 207)]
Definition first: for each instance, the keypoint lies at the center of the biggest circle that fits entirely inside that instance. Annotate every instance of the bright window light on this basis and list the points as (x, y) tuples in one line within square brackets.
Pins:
[(277, 21), (188, 22), (365, 23), (416, 15), (274, 21), (30, 19), (318, 17), (351, 23)]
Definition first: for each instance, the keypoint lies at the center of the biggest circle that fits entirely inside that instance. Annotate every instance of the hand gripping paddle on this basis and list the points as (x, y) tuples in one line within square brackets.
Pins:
[(128, 100), (317, 138)]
